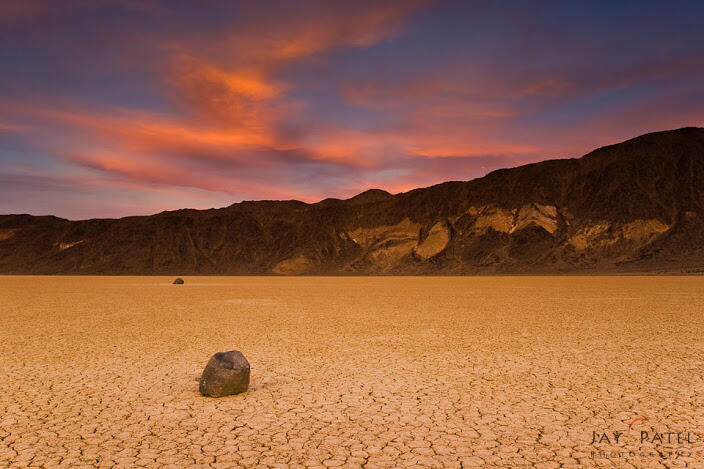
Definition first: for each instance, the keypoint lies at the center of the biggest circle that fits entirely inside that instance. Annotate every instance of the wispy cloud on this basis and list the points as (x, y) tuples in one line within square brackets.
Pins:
[(154, 103)]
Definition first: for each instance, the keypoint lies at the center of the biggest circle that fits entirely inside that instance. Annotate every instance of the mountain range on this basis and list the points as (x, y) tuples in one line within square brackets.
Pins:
[(633, 207)]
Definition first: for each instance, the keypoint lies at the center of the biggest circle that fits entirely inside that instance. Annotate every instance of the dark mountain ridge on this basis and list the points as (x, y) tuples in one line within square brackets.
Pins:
[(637, 206)]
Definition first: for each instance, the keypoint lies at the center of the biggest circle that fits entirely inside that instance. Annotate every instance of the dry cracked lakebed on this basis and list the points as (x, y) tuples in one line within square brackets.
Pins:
[(376, 372)]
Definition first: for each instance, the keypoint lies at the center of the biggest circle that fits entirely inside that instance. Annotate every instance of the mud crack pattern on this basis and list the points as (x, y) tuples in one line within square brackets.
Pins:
[(352, 372)]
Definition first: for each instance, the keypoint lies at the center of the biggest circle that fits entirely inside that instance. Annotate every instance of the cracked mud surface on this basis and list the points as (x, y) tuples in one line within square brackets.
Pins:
[(373, 372)]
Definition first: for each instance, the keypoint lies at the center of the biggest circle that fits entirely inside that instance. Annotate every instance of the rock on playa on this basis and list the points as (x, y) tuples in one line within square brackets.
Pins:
[(178, 281), (226, 373)]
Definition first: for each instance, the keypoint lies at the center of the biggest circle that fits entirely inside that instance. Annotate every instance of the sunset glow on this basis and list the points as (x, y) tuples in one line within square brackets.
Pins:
[(127, 107)]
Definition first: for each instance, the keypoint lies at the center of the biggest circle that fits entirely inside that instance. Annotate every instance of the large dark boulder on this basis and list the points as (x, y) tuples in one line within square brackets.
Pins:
[(226, 373), (178, 281)]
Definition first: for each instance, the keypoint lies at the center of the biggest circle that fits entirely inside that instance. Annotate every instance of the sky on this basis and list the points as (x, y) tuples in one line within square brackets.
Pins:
[(116, 108)]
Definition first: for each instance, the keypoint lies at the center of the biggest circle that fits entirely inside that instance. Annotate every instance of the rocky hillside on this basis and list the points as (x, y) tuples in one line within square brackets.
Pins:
[(637, 206)]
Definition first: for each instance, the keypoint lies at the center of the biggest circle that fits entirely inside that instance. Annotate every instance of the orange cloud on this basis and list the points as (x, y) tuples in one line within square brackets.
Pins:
[(369, 148), (162, 171), (240, 86), (242, 96), (142, 131), (361, 28), (248, 84)]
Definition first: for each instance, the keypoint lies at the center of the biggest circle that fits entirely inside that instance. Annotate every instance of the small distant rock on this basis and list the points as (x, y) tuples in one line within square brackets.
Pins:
[(226, 373), (179, 281)]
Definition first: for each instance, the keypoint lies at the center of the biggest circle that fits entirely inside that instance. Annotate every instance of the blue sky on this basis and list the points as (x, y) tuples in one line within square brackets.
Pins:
[(132, 107)]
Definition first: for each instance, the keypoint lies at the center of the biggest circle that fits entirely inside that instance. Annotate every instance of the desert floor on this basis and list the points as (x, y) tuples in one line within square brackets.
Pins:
[(373, 372)]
